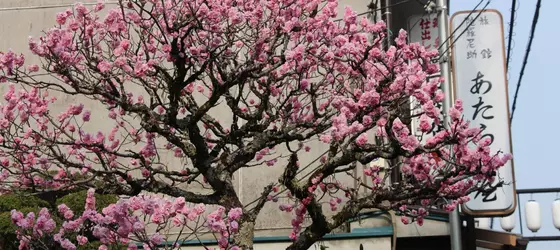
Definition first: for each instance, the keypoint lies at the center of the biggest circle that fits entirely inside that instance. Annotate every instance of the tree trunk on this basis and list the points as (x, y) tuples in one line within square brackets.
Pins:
[(244, 239), (306, 239)]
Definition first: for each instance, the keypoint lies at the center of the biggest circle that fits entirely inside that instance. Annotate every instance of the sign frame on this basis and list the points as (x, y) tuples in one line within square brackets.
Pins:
[(511, 209)]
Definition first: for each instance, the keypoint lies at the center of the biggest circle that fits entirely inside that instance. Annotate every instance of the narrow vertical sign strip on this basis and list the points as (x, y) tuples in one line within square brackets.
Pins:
[(423, 29), (480, 82)]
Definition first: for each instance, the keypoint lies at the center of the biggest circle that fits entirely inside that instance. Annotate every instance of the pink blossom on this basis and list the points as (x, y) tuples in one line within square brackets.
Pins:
[(326, 138), (99, 6), (156, 239), (304, 84), (125, 44), (420, 221), (425, 124), (81, 240), (405, 220), (90, 199), (61, 18), (33, 68), (112, 114), (234, 214), (104, 66), (362, 139), (86, 116), (67, 244)]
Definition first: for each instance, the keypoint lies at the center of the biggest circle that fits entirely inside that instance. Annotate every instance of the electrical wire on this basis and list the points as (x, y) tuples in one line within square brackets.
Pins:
[(373, 10), (525, 59), (466, 28), (510, 35), (511, 45), (50, 6), (461, 24)]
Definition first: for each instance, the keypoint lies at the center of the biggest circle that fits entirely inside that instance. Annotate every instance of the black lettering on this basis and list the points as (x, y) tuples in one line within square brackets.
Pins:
[(482, 128), (470, 44), (483, 20), (470, 32), (481, 108), (478, 82), (471, 54), (488, 195), (486, 53), (469, 20)]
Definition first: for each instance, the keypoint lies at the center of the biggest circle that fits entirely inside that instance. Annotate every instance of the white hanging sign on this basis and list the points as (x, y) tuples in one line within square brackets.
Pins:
[(478, 57)]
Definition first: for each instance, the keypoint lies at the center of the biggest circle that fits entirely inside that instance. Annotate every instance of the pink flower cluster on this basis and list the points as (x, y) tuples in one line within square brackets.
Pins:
[(122, 223)]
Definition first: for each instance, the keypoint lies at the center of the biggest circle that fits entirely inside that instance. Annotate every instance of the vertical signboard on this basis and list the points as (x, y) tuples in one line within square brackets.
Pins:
[(423, 29), (480, 82)]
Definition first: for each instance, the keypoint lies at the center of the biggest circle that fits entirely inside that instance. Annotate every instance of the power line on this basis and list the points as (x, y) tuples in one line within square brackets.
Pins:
[(378, 9), (461, 24), (510, 35), (531, 36), (49, 6), (466, 28)]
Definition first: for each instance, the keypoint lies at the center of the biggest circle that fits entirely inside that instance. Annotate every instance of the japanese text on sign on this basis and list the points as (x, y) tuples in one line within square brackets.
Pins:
[(423, 29)]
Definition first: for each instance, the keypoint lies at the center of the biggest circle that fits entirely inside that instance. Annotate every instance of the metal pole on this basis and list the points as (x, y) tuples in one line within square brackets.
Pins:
[(454, 220), (386, 16), (471, 239), (520, 216), (388, 22)]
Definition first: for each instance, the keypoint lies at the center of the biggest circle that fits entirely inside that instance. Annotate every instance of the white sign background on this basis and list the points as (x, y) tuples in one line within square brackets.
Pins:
[(471, 57)]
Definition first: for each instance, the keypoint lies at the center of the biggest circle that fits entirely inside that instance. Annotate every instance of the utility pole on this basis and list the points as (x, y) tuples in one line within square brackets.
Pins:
[(441, 6)]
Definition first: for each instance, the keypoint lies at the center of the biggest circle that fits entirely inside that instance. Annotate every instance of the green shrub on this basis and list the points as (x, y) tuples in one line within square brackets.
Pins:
[(19, 201), (77, 201)]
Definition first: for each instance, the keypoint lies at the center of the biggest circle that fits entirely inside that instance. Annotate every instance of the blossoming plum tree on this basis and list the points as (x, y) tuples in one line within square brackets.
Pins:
[(285, 71)]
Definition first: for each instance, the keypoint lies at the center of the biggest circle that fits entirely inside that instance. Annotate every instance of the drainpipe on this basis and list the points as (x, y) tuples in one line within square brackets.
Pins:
[(387, 16)]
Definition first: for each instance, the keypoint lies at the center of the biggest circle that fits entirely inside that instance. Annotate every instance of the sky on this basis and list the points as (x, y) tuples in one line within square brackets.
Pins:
[(534, 124)]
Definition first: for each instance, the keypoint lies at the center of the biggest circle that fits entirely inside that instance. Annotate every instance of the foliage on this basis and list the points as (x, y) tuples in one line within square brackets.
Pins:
[(222, 85), (76, 201), (20, 200)]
